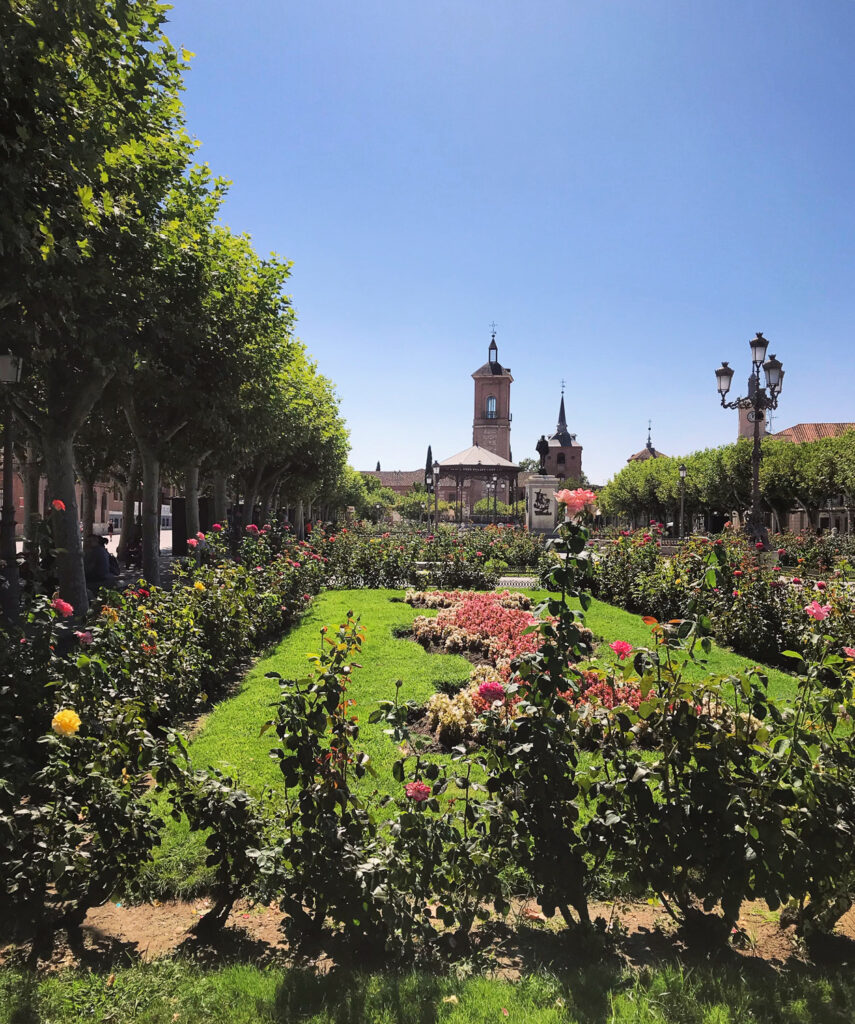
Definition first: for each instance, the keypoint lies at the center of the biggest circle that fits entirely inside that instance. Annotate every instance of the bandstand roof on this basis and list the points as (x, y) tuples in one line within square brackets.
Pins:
[(477, 457)]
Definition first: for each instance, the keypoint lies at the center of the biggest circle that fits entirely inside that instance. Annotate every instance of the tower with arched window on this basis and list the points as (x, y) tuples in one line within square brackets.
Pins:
[(491, 426)]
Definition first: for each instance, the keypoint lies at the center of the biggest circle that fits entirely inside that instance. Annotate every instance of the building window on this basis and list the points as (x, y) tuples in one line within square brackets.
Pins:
[(561, 458), (491, 407)]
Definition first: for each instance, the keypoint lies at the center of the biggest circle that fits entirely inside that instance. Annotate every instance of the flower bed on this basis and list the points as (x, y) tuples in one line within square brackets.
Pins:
[(491, 626), (497, 628), (753, 605), (88, 709), (362, 555)]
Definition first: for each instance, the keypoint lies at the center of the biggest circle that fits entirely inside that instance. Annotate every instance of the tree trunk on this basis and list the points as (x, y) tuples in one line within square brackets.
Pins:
[(129, 491), (87, 506), (59, 468), (31, 472), (191, 498), (221, 498), (250, 495), (300, 525), (150, 516)]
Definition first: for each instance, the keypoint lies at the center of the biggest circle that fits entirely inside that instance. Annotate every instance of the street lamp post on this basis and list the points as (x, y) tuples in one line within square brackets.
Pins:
[(758, 401), (377, 509), (495, 488), (682, 501), (10, 373)]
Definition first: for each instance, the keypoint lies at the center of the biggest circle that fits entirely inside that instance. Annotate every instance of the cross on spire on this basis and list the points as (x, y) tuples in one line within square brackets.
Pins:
[(493, 327)]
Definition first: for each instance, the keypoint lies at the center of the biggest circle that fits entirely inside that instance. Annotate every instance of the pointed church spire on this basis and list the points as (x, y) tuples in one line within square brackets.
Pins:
[(562, 416), (649, 442)]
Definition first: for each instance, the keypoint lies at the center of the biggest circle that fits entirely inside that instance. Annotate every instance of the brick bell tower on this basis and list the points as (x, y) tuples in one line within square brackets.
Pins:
[(491, 427)]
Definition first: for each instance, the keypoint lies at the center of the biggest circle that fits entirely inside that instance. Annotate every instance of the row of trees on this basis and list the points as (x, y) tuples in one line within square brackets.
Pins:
[(792, 476), (153, 337)]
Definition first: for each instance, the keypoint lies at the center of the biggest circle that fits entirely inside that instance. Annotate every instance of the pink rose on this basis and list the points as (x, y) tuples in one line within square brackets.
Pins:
[(252, 529), (84, 636), (192, 542), (200, 535), (849, 652), (621, 648), (217, 527), (576, 501), (817, 611), (63, 607), (417, 791), (820, 585)]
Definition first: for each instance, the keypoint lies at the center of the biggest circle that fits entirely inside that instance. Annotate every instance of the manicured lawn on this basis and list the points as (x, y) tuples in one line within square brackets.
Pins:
[(231, 736), (612, 623), (181, 991), (231, 740)]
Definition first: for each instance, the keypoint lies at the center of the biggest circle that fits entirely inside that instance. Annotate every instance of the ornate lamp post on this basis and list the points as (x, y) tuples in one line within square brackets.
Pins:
[(10, 373), (378, 508), (758, 400), (495, 483), (682, 500)]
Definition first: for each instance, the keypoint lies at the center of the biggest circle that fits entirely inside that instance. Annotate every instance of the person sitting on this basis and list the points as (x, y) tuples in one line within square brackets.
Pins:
[(96, 564)]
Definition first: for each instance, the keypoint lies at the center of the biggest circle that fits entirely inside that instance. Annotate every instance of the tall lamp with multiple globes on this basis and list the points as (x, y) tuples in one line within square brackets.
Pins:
[(758, 400), (10, 374), (435, 494), (682, 472)]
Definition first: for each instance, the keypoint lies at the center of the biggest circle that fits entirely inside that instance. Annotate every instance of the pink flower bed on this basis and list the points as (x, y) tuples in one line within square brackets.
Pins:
[(484, 615)]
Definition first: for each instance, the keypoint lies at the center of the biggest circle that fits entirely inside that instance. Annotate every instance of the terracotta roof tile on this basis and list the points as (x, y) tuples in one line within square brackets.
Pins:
[(646, 453), (803, 432)]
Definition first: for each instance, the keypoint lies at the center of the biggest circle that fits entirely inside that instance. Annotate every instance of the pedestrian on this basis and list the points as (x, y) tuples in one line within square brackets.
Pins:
[(110, 529)]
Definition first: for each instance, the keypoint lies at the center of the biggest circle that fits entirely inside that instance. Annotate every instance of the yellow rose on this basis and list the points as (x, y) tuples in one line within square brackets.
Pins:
[(66, 722), (110, 614), (199, 585)]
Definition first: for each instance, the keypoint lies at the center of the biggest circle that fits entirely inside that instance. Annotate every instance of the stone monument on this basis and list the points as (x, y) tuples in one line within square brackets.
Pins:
[(541, 514)]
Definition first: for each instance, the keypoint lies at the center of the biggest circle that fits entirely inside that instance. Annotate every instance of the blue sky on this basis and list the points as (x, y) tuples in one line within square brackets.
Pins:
[(630, 189)]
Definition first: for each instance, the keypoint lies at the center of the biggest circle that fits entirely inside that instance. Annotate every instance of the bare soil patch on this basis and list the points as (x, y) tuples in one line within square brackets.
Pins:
[(116, 935)]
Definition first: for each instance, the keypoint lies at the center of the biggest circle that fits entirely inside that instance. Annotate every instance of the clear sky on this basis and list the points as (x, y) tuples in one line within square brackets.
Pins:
[(630, 189)]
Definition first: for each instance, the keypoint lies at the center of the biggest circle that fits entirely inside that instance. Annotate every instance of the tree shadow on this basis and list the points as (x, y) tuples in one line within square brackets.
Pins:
[(352, 997)]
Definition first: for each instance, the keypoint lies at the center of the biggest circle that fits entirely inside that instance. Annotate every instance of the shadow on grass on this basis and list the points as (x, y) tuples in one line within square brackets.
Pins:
[(345, 997)]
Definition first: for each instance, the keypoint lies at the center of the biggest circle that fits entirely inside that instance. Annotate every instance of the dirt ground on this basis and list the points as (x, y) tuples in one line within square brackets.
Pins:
[(115, 935)]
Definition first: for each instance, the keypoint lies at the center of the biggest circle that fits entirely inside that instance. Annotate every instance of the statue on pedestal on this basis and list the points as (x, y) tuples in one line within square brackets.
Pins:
[(542, 450)]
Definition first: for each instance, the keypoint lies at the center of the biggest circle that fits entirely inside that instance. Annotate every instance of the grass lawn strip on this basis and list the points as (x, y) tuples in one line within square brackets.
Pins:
[(170, 991)]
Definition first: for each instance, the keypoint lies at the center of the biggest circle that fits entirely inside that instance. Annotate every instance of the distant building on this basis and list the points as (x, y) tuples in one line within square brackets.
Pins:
[(801, 433), (398, 480), (564, 458), (465, 476), (648, 451), (835, 516), (491, 425)]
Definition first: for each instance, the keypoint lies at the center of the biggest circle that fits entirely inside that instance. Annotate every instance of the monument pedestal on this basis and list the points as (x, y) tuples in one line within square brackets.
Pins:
[(541, 513)]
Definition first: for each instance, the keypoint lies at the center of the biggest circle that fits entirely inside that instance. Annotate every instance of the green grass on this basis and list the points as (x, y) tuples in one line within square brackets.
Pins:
[(613, 623), (183, 992), (231, 736)]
